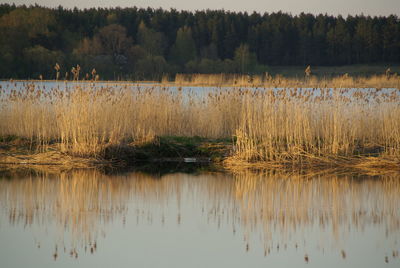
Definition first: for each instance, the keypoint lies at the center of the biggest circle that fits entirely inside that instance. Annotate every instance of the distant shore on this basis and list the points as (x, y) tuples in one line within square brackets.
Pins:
[(352, 76), (290, 71)]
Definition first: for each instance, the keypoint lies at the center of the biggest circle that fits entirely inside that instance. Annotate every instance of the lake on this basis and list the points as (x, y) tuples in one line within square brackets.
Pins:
[(106, 218)]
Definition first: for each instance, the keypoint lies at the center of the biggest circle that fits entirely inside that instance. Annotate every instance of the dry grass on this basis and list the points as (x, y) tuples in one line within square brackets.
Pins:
[(295, 125), (288, 125), (84, 119), (48, 159), (266, 80)]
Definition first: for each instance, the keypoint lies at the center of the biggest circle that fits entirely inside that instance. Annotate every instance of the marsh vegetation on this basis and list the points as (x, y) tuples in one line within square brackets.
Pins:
[(275, 125)]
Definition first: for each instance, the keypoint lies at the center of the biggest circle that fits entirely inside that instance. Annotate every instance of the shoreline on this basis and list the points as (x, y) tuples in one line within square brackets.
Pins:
[(261, 80), (181, 151)]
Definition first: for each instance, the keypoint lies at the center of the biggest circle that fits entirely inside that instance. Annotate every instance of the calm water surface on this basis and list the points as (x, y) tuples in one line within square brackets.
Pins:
[(86, 218)]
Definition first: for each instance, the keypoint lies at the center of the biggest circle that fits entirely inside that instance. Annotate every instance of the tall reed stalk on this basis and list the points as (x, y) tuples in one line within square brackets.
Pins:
[(287, 124), (296, 124), (84, 119)]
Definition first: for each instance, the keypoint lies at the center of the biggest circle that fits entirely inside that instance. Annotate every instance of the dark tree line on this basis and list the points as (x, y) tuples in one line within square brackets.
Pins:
[(146, 43)]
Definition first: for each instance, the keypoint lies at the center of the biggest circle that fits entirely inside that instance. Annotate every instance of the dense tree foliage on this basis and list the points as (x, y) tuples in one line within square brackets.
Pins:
[(146, 43)]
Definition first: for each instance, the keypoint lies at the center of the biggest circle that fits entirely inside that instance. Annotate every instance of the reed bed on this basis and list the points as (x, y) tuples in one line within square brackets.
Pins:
[(275, 125), (85, 119), (308, 81), (324, 124)]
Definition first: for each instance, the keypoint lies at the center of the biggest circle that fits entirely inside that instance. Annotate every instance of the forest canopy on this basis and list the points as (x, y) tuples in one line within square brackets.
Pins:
[(137, 43)]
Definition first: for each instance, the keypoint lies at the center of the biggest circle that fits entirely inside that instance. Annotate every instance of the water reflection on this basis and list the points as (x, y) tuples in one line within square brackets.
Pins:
[(333, 202), (273, 212)]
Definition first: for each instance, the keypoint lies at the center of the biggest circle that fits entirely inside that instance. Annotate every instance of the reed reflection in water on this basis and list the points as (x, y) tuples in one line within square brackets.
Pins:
[(273, 213)]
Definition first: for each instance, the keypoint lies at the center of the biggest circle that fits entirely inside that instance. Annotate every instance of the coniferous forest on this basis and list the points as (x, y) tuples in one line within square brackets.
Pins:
[(136, 43)]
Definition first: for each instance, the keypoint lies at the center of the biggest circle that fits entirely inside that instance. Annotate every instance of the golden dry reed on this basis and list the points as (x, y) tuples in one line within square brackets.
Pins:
[(267, 124), (309, 81), (295, 124), (84, 119)]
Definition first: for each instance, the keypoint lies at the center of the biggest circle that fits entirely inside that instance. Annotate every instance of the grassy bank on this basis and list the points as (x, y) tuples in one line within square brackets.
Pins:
[(179, 154), (358, 70), (315, 79), (264, 126), (161, 150)]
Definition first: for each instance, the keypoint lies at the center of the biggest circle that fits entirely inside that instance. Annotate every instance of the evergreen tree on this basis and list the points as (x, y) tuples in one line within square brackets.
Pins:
[(184, 49), (121, 41)]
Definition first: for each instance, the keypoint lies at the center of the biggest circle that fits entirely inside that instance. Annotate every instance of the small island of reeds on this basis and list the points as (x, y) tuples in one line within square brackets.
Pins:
[(341, 122)]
